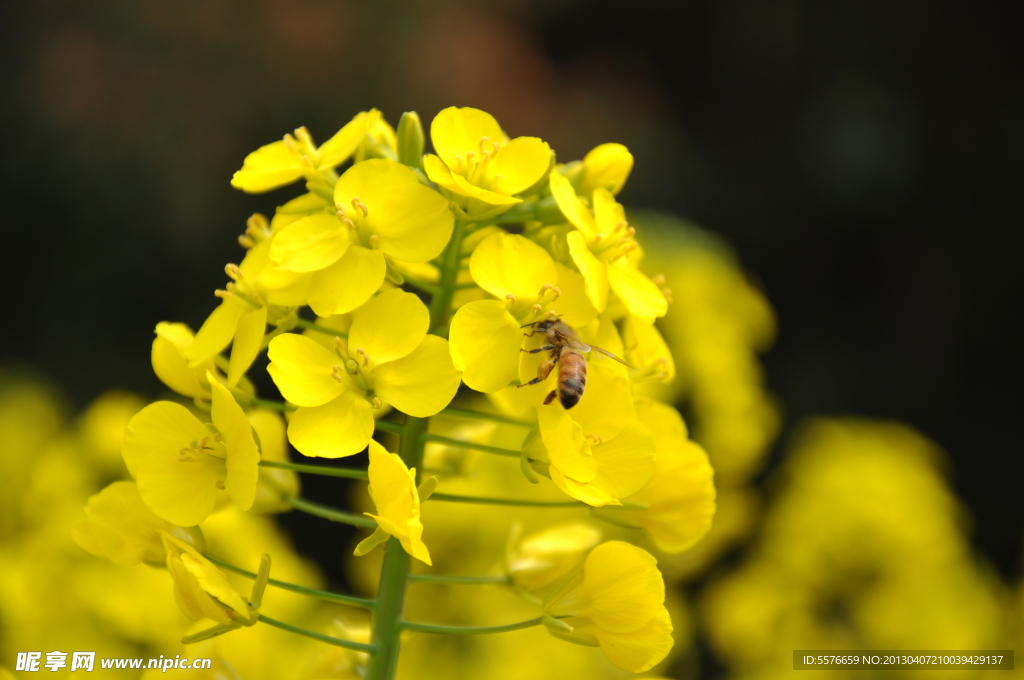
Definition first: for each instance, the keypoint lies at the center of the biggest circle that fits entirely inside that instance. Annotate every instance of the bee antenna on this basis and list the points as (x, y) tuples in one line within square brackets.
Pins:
[(525, 325)]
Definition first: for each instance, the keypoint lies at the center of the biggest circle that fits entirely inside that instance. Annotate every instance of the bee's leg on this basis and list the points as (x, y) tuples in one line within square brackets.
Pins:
[(530, 334), (545, 348), (543, 371), (551, 397)]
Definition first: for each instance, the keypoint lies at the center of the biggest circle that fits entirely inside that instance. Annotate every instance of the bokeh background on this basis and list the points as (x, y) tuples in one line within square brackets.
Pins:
[(862, 159)]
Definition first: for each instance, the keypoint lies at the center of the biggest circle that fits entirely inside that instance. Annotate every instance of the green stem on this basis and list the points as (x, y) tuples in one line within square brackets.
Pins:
[(441, 304), (312, 592), (468, 580), (452, 498), (302, 323), (337, 642), (425, 286), (312, 508), (477, 415), (394, 573), (348, 473), (388, 426), (459, 444), (276, 405), (471, 630)]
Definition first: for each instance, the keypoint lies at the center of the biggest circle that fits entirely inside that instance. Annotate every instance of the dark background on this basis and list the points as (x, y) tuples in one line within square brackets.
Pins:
[(863, 158)]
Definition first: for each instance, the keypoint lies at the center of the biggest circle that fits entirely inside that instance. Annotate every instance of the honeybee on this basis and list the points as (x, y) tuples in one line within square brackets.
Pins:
[(567, 352)]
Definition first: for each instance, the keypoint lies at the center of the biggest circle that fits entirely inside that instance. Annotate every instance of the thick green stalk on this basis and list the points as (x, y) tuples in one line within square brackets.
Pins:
[(387, 617)]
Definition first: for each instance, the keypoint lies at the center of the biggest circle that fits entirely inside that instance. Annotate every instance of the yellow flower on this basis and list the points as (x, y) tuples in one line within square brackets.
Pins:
[(618, 602), (281, 163), (541, 559), (339, 663), (599, 246), (273, 482), (393, 490), (475, 164), (388, 358), (646, 351), (171, 365), (180, 464), (383, 212), (598, 452), (119, 527), (201, 589), (380, 141), (485, 335), (681, 494)]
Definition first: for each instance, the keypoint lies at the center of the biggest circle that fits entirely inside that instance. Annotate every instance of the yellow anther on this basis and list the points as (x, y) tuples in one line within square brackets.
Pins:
[(558, 293), (246, 241), (483, 143), (496, 146), (346, 221), (374, 241), (511, 298), (223, 294), (458, 160), (659, 280), (377, 403), (258, 300), (537, 309), (543, 289), (339, 343), (336, 373), (595, 440), (233, 272), (470, 155), (303, 136), (366, 357), (360, 206), (289, 142)]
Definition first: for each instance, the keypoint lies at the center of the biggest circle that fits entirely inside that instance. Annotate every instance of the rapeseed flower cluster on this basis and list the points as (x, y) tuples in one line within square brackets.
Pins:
[(488, 264)]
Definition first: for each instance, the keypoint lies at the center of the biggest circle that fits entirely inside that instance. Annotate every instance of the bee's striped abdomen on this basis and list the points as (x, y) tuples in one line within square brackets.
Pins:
[(572, 379)]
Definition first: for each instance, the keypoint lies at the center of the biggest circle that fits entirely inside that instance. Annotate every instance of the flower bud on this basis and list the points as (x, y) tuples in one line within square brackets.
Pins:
[(410, 140)]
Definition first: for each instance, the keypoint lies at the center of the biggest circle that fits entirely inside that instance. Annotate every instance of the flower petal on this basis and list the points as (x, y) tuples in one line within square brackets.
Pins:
[(456, 132), (567, 449), (248, 338), (216, 332), (607, 211), (348, 283), (457, 184), (302, 370), (170, 365), (341, 427), (640, 650), (268, 167), (518, 165), (411, 221), (243, 456), (637, 292), (606, 166), (508, 264), (309, 244), (181, 490), (571, 206), (389, 326), (622, 589), (420, 383), (343, 144), (573, 304), (485, 340), (595, 272)]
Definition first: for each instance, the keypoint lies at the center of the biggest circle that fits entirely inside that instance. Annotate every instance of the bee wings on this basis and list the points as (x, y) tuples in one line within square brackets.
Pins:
[(577, 345)]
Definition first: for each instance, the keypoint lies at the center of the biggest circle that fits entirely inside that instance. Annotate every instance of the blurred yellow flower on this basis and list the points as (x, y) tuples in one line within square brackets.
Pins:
[(180, 464), (680, 497), (476, 164), (273, 482), (388, 358), (617, 602), (393, 490), (200, 588), (119, 527), (383, 211), (541, 559), (280, 163)]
